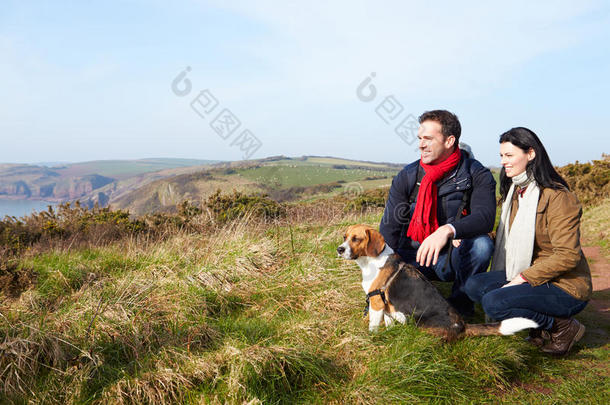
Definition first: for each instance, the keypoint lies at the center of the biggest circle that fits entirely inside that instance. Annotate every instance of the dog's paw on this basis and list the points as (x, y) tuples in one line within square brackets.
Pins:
[(399, 316)]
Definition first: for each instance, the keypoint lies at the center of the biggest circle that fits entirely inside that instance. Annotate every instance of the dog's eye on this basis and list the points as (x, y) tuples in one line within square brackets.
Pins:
[(344, 237), (355, 239)]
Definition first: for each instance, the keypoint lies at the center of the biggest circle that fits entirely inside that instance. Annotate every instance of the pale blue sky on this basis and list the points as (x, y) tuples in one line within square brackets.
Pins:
[(92, 80)]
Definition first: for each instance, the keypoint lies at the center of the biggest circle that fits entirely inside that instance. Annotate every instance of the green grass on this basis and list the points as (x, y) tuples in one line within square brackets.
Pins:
[(339, 161), (595, 225), (122, 169), (254, 314), (284, 176)]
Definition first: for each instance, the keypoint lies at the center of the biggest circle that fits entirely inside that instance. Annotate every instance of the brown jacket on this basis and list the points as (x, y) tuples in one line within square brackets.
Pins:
[(557, 256)]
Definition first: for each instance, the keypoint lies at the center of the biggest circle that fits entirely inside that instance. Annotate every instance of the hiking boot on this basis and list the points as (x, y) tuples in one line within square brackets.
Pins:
[(564, 333), (537, 337)]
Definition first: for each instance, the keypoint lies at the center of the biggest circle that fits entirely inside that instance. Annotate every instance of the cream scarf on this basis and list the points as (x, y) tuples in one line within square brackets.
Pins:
[(515, 246)]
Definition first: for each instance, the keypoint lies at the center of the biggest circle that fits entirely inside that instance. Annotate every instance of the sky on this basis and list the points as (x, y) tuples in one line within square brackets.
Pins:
[(102, 79)]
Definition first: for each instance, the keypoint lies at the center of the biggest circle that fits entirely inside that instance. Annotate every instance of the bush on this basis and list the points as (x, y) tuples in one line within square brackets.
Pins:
[(590, 181), (238, 205), (159, 222), (368, 199), (64, 222)]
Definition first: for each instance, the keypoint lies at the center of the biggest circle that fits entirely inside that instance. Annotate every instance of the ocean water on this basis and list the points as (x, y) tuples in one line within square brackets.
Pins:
[(19, 208)]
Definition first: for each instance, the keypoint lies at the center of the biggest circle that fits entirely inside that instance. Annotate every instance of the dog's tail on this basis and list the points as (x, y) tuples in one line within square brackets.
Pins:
[(506, 327)]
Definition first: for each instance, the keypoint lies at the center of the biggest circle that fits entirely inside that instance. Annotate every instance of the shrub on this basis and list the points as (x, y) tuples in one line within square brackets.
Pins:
[(64, 222), (590, 181), (368, 199), (237, 205)]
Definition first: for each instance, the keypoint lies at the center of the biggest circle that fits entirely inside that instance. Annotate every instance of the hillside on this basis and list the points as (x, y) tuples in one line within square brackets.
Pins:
[(282, 178), (86, 179)]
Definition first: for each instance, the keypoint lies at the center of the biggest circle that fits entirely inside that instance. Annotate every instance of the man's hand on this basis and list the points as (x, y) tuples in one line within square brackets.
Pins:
[(431, 247), (515, 281)]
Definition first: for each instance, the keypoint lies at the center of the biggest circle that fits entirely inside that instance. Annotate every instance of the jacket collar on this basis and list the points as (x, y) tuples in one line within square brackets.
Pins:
[(451, 174)]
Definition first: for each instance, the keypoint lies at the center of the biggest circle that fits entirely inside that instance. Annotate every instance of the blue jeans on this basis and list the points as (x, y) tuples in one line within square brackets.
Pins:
[(540, 304), (470, 258)]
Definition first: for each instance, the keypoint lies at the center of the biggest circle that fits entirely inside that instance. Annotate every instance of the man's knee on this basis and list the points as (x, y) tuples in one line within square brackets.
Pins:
[(481, 248)]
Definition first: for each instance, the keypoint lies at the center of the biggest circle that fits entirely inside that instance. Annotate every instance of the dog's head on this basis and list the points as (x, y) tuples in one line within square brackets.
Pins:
[(361, 240)]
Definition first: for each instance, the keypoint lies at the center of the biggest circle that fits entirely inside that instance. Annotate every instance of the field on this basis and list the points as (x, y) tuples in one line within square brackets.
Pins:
[(280, 176), (254, 312), (122, 169)]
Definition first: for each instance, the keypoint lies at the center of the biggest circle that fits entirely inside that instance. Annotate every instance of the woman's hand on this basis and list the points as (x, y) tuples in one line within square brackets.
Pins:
[(515, 281)]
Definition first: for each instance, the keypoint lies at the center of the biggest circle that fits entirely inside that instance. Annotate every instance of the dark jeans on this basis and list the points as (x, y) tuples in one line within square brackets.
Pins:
[(471, 257), (540, 304)]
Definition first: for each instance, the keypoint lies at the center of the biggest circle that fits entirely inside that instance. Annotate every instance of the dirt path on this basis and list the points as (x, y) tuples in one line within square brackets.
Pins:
[(600, 272)]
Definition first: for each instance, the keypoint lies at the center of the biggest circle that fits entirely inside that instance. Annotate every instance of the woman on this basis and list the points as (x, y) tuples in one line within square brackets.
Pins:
[(538, 270)]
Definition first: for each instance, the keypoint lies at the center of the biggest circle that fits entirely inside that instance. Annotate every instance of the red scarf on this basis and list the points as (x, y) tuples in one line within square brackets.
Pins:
[(424, 221)]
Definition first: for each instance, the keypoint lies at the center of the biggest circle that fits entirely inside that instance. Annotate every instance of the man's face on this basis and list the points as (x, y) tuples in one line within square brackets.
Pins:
[(433, 145)]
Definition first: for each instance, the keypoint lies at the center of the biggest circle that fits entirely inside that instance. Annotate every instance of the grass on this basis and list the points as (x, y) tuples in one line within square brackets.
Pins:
[(253, 313), (283, 176), (122, 169), (339, 161), (595, 225)]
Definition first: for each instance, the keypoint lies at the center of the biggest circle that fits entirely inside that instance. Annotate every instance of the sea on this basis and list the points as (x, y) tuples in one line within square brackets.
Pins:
[(19, 208)]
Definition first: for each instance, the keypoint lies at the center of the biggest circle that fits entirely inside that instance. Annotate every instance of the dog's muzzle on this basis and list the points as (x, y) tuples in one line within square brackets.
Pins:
[(344, 251)]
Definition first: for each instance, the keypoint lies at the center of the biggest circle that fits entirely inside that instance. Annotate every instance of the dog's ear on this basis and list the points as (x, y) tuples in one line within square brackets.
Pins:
[(376, 243)]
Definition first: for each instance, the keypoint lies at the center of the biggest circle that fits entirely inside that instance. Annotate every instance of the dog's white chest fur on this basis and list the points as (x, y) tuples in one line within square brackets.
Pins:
[(370, 267)]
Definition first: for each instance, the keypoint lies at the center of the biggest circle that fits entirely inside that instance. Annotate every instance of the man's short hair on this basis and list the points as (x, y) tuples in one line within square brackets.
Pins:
[(450, 124)]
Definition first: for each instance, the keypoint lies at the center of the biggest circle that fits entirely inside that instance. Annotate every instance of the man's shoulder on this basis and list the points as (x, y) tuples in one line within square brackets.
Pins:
[(473, 168), (409, 169), (406, 177), (474, 165)]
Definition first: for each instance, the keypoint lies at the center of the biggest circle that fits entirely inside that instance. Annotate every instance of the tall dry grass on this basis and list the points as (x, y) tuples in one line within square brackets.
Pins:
[(254, 310)]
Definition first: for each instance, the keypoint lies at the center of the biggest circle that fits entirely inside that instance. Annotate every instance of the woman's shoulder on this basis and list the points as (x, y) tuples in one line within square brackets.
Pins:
[(558, 198)]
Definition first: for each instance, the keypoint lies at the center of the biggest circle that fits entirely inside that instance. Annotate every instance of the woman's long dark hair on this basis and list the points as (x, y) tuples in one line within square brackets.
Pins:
[(540, 167)]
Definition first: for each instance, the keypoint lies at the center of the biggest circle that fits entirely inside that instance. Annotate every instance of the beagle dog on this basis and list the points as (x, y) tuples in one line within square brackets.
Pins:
[(396, 290)]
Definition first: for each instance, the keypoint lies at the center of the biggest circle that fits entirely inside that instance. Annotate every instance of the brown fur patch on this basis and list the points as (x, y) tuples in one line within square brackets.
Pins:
[(384, 274), (376, 303), (376, 243)]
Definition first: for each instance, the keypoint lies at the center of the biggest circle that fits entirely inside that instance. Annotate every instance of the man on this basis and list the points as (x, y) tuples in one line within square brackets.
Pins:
[(442, 206)]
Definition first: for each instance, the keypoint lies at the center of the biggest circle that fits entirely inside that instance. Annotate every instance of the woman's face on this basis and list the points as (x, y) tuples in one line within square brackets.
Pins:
[(514, 159)]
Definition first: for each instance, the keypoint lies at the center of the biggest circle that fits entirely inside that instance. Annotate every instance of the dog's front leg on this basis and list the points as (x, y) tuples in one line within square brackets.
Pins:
[(399, 316), (375, 318), (387, 318)]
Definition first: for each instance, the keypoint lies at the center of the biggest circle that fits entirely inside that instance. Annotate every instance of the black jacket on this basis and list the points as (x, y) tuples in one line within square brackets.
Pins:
[(469, 176)]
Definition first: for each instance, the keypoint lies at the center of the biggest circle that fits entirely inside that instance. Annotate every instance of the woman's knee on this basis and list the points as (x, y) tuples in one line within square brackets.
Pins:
[(494, 305), (474, 288)]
